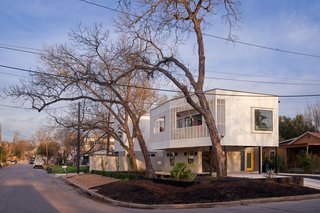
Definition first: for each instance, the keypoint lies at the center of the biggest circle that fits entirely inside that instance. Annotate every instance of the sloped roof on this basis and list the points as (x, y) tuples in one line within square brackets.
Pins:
[(293, 140), (315, 134), (287, 141)]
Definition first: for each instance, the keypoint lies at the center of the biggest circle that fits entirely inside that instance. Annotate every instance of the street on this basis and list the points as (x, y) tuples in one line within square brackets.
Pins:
[(24, 189)]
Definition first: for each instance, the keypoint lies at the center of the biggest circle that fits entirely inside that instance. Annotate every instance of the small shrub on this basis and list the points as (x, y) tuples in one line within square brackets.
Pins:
[(181, 171), (270, 173), (310, 163)]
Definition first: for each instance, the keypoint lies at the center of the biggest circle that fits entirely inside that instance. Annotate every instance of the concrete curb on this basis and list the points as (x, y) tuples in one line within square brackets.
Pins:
[(192, 205)]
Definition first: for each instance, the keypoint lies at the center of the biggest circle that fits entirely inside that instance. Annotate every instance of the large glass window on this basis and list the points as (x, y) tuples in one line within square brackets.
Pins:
[(263, 120), (187, 121), (188, 118), (221, 117), (196, 120), (159, 125)]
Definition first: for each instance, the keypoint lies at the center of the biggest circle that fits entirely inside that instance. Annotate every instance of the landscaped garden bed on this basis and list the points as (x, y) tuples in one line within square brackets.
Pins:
[(58, 169), (205, 189)]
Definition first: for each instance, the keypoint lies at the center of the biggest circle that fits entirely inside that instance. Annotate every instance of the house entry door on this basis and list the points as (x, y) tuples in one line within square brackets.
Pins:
[(249, 161), (206, 162)]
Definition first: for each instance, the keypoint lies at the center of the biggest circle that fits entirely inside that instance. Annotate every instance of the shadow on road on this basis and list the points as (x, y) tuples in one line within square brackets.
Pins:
[(23, 198)]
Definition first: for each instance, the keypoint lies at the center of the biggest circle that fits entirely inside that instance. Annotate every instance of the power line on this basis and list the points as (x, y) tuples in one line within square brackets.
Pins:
[(261, 82), (213, 78), (208, 77), (15, 107), (10, 74), (211, 35), (159, 89), (20, 50), (259, 76), (20, 47)]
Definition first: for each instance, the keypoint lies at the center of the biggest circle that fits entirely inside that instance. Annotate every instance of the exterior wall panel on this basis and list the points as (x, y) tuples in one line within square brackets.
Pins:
[(239, 122)]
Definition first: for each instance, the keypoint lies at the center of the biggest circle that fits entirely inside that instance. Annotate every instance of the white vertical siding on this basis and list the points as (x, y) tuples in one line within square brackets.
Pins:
[(238, 119)]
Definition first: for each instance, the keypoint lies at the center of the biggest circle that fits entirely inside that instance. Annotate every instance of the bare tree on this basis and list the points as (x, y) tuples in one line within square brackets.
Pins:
[(96, 70), (154, 24), (312, 115)]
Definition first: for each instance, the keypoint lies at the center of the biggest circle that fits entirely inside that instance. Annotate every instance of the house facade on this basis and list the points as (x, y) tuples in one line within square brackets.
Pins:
[(304, 145), (246, 123)]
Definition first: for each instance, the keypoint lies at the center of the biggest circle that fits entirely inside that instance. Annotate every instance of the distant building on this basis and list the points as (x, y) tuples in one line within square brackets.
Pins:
[(306, 144)]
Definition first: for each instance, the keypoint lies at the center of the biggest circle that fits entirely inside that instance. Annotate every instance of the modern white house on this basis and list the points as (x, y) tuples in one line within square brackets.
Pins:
[(246, 123)]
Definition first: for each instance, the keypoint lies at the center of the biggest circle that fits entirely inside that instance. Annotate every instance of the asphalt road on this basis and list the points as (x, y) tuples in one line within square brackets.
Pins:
[(23, 190)]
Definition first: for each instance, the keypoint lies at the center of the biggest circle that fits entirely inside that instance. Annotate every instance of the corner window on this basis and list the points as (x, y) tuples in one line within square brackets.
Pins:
[(263, 120), (159, 125), (188, 118)]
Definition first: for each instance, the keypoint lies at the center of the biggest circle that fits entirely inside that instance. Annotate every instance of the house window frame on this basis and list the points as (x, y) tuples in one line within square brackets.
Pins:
[(221, 116), (254, 120), (188, 121), (159, 125)]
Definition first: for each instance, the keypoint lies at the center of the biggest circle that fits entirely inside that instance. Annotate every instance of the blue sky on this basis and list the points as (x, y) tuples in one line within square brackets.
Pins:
[(288, 24)]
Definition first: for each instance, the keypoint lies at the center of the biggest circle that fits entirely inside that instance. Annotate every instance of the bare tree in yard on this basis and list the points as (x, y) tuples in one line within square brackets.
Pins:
[(312, 115), (98, 121), (153, 24), (98, 72)]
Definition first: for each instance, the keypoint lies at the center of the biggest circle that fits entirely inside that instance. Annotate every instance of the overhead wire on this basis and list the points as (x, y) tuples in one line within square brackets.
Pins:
[(215, 78), (20, 50), (154, 89), (211, 35)]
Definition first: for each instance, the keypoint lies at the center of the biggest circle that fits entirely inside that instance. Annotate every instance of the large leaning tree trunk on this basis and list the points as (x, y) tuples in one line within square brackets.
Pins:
[(155, 23)]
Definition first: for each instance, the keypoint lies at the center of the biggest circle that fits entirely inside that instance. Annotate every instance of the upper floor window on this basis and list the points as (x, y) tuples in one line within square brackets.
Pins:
[(188, 118), (221, 116), (159, 125), (263, 120)]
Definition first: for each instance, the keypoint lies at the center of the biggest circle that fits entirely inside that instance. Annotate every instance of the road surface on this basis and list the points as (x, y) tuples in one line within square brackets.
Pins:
[(24, 189)]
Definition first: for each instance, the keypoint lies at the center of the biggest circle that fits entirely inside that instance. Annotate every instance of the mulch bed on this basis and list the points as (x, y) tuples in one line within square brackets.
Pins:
[(206, 190)]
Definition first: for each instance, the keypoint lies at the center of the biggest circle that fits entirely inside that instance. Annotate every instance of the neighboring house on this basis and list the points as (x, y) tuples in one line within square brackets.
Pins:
[(93, 144), (291, 149), (246, 123), (120, 161)]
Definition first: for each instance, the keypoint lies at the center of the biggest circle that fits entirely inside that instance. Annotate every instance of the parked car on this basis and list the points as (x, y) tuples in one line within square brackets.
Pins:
[(38, 163), (13, 162), (31, 160)]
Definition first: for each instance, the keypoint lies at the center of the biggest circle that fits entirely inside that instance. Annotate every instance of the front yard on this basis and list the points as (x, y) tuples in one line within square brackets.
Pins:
[(204, 190)]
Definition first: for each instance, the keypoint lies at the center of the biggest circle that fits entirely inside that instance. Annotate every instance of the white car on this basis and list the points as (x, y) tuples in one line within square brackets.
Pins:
[(38, 163)]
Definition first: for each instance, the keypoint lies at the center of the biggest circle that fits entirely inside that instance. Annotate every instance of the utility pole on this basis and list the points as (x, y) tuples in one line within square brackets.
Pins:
[(78, 143), (47, 152)]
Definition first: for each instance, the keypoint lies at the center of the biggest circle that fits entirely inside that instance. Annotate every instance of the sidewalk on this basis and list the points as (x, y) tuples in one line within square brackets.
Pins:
[(310, 180), (88, 181)]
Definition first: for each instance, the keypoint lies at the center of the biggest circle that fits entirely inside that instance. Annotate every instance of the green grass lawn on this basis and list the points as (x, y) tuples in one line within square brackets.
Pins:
[(57, 169)]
